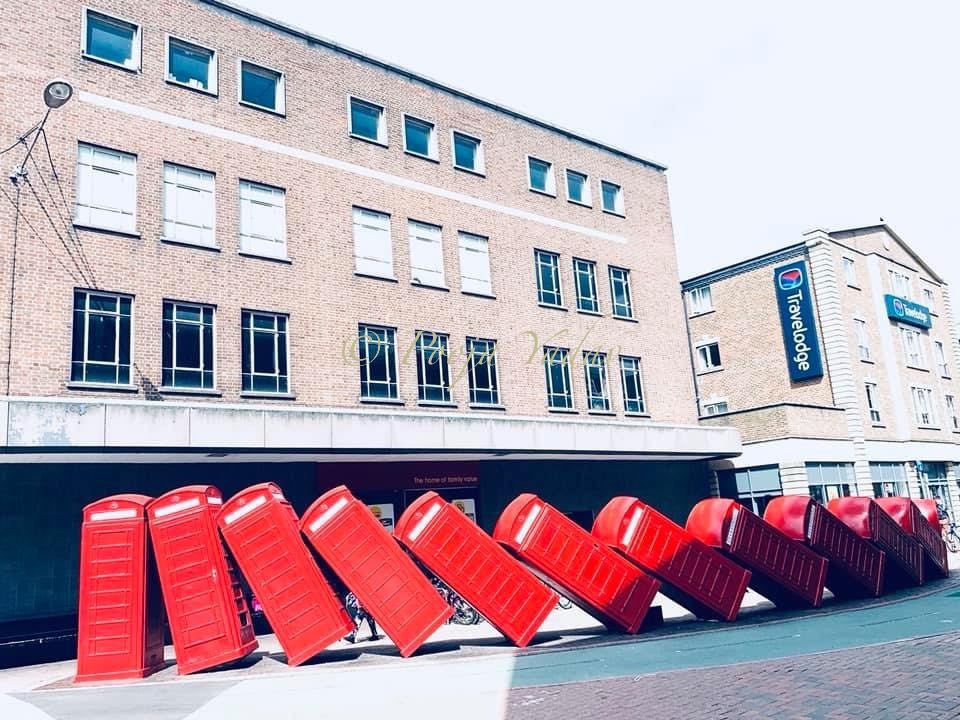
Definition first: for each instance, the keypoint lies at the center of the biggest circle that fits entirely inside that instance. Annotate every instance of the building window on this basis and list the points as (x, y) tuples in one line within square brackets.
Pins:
[(433, 369), (929, 300), (631, 381), (263, 220), (426, 254), (901, 285), (620, 292), (548, 278), (951, 404), (941, 359), (871, 391), (102, 338), (367, 121), (585, 276), (934, 484), (829, 480), (189, 213), (540, 175), (188, 346), (912, 347), (467, 153), (106, 189), (377, 354), (612, 196), (578, 188), (850, 272), (754, 488), (556, 362), (264, 349), (709, 356), (111, 40), (372, 249), (191, 65), (595, 373), (482, 377), (889, 479), (474, 264), (419, 137), (923, 406), (262, 87), (716, 407), (863, 344), (701, 300)]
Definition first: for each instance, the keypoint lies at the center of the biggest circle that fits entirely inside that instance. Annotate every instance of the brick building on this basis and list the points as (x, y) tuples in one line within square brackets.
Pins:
[(836, 359), (278, 258)]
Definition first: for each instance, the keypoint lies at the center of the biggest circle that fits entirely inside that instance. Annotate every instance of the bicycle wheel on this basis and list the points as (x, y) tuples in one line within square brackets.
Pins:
[(564, 604), (952, 544), (464, 613)]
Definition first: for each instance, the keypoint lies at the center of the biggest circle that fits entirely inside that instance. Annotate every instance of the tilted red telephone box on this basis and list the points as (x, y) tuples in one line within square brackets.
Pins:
[(914, 522)]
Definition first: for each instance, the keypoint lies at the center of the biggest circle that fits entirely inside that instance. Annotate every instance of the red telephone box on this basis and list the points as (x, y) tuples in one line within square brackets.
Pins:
[(913, 521), (262, 531), (208, 615), (783, 570), (471, 562), (928, 507), (856, 566), (120, 628), (576, 564), (372, 564), (694, 575)]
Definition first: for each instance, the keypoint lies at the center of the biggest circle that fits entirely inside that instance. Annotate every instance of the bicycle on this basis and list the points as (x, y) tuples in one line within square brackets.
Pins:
[(564, 603), (952, 538), (463, 612)]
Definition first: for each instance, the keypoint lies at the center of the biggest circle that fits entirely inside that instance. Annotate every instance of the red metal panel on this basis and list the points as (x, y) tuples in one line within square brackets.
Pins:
[(572, 561), (856, 566), (783, 570), (468, 560), (904, 554), (693, 574), (370, 562), (120, 618), (909, 517), (262, 531), (208, 615), (928, 507)]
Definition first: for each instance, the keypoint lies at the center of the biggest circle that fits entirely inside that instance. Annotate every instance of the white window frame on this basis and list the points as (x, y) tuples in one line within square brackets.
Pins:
[(587, 200), (208, 231), (466, 242), (627, 291), (551, 179), (950, 402), (392, 381), (426, 244), (472, 386), (593, 360), (901, 282), (261, 245), (940, 358), (850, 272), (873, 409), (85, 352), (591, 275), (537, 253), (136, 50), (917, 361), (481, 168), (930, 300), (280, 344), (367, 263), (83, 210), (863, 341), (701, 300), (566, 392), (173, 349), (704, 362), (280, 93), (213, 71), (382, 134), (716, 406), (923, 406), (619, 208), (432, 145), (637, 369)]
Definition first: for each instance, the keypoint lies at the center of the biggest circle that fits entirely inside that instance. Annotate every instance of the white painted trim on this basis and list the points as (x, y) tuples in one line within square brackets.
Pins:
[(281, 93), (213, 76), (481, 168), (587, 202), (432, 144), (136, 52), (318, 159), (382, 132), (551, 180)]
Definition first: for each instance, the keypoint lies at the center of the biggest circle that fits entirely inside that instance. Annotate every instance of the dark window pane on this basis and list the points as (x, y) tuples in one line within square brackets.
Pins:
[(190, 65), (259, 86), (418, 136), (188, 346), (465, 152), (167, 352), (109, 39), (539, 172), (365, 120), (101, 373), (208, 348), (188, 378), (102, 338), (190, 313), (103, 303), (264, 359)]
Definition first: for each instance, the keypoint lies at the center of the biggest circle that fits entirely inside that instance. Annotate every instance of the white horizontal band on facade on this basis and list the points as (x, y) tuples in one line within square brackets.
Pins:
[(318, 159)]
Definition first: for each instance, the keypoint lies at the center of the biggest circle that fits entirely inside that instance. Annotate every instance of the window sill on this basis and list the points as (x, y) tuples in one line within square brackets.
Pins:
[(491, 406), (256, 395), (595, 313), (542, 192), (563, 411), (935, 428), (109, 231), (417, 155), (853, 287), (868, 361), (388, 278), (615, 213), (701, 313), (710, 371), (261, 108), (945, 377), (110, 63), (625, 318), (441, 288), (589, 206), (436, 403), (552, 307), (100, 387), (638, 415), (470, 171), (372, 141), (602, 413), (181, 243), (916, 367), (478, 294), (381, 401), (878, 426), (190, 391), (271, 258), (186, 86)]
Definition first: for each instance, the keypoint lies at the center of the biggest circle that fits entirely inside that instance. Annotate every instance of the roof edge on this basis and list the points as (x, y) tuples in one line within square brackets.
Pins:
[(890, 231), (738, 268), (295, 31)]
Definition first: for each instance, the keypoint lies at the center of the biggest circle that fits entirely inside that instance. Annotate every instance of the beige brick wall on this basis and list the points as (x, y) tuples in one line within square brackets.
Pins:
[(783, 421), (318, 289)]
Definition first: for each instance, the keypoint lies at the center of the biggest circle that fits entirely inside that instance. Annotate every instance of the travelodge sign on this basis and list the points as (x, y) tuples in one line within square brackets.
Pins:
[(907, 312), (800, 341)]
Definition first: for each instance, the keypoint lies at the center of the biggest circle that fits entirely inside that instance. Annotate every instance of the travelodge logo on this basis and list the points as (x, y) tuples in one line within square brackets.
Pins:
[(898, 307), (790, 279), (908, 312)]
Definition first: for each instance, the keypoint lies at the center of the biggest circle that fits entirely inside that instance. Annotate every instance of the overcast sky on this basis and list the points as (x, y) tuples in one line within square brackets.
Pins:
[(772, 119)]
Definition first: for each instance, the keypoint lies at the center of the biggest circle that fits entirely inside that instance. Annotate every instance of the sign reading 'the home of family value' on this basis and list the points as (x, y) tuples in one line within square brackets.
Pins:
[(800, 341)]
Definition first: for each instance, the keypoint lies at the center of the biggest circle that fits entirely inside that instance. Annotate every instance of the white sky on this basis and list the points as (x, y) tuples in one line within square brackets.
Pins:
[(771, 119)]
